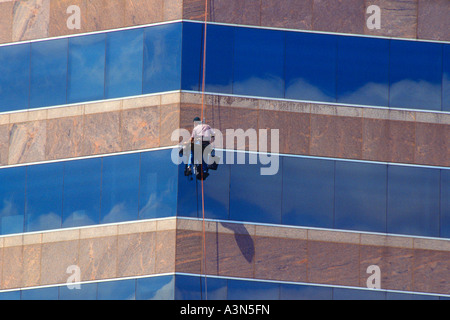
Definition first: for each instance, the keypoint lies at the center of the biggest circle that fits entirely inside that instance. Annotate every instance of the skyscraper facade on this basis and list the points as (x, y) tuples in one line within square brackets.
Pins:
[(94, 92)]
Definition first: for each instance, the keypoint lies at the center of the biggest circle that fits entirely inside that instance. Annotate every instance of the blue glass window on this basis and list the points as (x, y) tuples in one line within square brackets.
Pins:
[(10, 295), (407, 296), (124, 60), (44, 197), (14, 77), (363, 71), (48, 73), (188, 288), (259, 62), (254, 197), (252, 290), (82, 181), (217, 193), (12, 200), (446, 79), (86, 73), (192, 55), (413, 201), (445, 203), (155, 288), (117, 290), (415, 75), (308, 192), (354, 294), (360, 198), (162, 58), (158, 190), (120, 188), (85, 292), (300, 292), (311, 66), (50, 293), (219, 59)]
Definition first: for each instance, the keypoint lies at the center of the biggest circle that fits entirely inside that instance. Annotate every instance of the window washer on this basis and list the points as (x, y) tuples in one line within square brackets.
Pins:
[(202, 135)]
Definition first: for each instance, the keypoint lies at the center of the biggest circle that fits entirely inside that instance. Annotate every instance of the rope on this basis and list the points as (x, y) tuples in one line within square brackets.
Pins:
[(203, 117)]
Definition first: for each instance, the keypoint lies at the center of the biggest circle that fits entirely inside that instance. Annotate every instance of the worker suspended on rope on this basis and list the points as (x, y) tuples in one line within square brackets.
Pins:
[(202, 136)]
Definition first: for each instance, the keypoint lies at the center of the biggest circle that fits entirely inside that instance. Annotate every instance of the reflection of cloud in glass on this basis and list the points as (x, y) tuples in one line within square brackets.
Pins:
[(8, 208), (301, 89), (78, 218), (416, 94), (117, 213), (157, 204), (371, 93), (45, 221), (165, 292), (269, 86)]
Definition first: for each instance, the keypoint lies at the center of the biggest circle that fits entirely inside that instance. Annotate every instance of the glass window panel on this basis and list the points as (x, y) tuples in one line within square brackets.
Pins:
[(252, 290), (308, 192), (158, 185), (10, 295), (254, 197), (82, 182), (300, 292), (259, 62), (193, 288), (189, 195), (48, 73), (188, 288), (360, 196), (413, 201), (162, 58), (120, 188), (408, 296), (415, 75), (124, 60), (445, 204), (86, 292), (219, 59), (14, 77), (311, 66), (155, 288), (446, 78), (12, 200), (217, 193), (363, 71), (117, 290), (192, 54), (355, 294), (44, 197), (50, 293), (86, 73)]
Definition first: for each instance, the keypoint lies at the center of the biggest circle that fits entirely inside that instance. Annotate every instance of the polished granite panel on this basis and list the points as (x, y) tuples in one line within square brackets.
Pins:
[(432, 144), (292, 14), (139, 12), (98, 258), (4, 144), (101, 133), (232, 249), (398, 18), (59, 17), (236, 11), (6, 18), (141, 130), (335, 136), (137, 254), (56, 257), (30, 20), (64, 138), (344, 16), (433, 20), (104, 14), (27, 142)]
